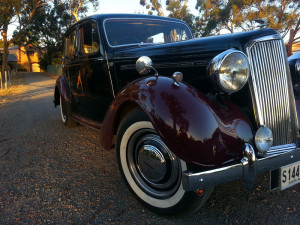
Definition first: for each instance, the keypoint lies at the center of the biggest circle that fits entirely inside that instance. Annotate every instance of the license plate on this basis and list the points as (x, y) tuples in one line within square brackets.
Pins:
[(289, 175)]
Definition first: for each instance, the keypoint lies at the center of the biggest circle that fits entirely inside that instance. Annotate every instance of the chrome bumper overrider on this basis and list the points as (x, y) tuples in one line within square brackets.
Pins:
[(247, 169)]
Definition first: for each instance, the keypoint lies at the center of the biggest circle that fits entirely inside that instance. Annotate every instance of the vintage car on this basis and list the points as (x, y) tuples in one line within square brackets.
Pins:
[(185, 114)]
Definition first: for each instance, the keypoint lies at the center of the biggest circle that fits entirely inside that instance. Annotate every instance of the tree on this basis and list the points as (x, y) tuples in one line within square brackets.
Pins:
[(177, 9), (46, 32), (153, 6), (223, 14), (21, 11), (234, 15), (77, 7), (293, 38)]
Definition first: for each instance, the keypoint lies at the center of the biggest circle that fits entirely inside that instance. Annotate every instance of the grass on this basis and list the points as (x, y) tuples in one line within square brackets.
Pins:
[(15, 87)]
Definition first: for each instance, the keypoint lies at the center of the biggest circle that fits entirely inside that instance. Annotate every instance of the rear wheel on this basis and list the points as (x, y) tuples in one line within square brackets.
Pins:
[(65, 112), (150, 169)]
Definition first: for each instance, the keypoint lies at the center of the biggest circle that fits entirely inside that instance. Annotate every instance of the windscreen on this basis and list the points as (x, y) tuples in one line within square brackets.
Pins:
[(145, 31)]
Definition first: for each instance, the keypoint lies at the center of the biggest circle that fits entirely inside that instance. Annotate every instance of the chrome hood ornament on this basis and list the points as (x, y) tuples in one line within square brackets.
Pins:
[(261, 23)]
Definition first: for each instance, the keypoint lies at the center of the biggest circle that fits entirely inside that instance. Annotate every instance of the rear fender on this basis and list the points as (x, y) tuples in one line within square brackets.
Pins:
[(197, 129), (62, 86)]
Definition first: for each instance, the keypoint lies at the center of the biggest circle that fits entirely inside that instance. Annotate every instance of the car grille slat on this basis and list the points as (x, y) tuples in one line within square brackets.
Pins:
[(269, 87)]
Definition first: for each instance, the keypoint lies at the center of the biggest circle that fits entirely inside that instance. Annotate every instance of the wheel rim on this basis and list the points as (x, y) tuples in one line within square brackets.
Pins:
[(63, 116), (155, 169)]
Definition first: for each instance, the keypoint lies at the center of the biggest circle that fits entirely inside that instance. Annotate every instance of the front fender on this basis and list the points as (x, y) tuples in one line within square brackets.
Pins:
[(197, 129)]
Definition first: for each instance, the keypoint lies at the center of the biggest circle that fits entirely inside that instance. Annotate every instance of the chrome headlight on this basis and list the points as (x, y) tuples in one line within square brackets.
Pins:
[(263, 139), (230, 70)]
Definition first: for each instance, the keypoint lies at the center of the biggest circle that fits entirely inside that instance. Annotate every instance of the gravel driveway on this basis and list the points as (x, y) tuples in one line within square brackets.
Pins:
[(50, 174)]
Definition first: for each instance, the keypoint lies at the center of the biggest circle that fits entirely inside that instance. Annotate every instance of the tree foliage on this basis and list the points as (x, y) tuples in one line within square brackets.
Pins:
[(48, 25), (11, 11), (46, 32), (77, 7), (237, 15), (177, 9), (153, 6)]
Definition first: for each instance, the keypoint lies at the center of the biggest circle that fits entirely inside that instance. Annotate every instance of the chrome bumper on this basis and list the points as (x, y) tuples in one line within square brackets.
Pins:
[(247, 170)]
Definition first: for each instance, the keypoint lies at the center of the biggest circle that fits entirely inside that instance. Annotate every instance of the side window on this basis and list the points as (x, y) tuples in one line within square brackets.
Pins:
[(89, 39)]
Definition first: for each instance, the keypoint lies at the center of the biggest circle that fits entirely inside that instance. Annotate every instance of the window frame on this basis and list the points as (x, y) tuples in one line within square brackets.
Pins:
[(67, 44), (80, 50)]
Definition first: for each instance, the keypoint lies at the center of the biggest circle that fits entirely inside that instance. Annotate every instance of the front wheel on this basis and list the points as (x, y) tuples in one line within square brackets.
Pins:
[(150, 169)]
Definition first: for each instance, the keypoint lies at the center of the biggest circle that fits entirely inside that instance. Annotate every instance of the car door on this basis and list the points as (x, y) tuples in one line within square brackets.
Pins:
[(93, 76), (72, 66)]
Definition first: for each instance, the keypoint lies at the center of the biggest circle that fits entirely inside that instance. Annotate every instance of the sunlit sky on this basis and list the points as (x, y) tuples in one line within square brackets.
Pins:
[(130, 6), (119, 6), (126, 6)]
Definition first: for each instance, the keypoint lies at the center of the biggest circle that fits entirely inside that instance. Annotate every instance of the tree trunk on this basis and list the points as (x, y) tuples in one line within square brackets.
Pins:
[(5, 45), (29, 59), (289, 47)]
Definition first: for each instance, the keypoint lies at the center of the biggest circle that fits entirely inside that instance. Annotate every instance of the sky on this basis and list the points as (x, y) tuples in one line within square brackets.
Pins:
[(120, 6), (130, 6)]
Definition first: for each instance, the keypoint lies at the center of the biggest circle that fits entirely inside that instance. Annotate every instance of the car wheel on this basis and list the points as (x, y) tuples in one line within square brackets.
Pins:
[(65, 112), (150, 169)]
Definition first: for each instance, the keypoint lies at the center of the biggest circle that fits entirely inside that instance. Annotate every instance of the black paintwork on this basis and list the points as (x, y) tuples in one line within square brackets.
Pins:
[(114, 67)]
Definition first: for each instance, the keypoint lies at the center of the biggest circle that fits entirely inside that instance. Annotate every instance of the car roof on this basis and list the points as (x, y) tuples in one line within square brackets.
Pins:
[(122, 15), (102, 17)]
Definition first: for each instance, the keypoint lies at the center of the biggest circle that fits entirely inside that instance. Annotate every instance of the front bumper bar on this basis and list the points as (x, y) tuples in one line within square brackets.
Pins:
[(246, 170)]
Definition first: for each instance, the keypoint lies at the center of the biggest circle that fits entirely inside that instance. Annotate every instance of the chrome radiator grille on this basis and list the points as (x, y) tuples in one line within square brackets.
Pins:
[(270, 89)]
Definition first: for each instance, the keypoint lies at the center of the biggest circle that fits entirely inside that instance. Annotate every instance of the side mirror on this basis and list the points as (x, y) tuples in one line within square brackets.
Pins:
[(144, 65)]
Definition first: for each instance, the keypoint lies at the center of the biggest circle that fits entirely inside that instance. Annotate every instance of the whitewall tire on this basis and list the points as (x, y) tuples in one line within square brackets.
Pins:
[(151, 171), (65, 113)]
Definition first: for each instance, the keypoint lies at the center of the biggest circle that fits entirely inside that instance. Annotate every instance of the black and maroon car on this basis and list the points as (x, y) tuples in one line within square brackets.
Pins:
[(187, 113)]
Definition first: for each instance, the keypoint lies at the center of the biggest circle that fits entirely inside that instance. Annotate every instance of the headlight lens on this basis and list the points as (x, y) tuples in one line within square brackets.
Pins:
[(264, 139), (230, 70)]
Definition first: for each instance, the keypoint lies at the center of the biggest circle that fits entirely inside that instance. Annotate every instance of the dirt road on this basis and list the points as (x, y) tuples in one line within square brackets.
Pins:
[(50, 174)]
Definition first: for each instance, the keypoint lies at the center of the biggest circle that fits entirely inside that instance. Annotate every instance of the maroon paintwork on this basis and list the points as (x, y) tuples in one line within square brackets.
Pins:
[(63, 88), (197, 129)]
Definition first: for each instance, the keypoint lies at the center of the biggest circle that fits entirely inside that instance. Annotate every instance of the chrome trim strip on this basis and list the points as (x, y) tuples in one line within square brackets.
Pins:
[(139, 18), (106, 58), (193, 181), (110, 78), (278, 150), (265, 38)]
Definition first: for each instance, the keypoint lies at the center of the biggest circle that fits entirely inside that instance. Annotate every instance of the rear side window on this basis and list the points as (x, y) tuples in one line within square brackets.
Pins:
[(89, 38), (71, 45)]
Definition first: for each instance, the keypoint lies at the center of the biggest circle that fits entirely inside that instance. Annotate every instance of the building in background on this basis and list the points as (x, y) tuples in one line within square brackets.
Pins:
[(296, 47), (24, 58)]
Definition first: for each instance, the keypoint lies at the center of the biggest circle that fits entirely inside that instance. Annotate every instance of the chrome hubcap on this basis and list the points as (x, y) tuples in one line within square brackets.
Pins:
[(151, 163), (153, 166)]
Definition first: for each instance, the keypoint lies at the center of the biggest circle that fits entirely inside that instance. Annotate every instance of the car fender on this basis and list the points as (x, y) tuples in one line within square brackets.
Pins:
[(62, 85), (196, 128)]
